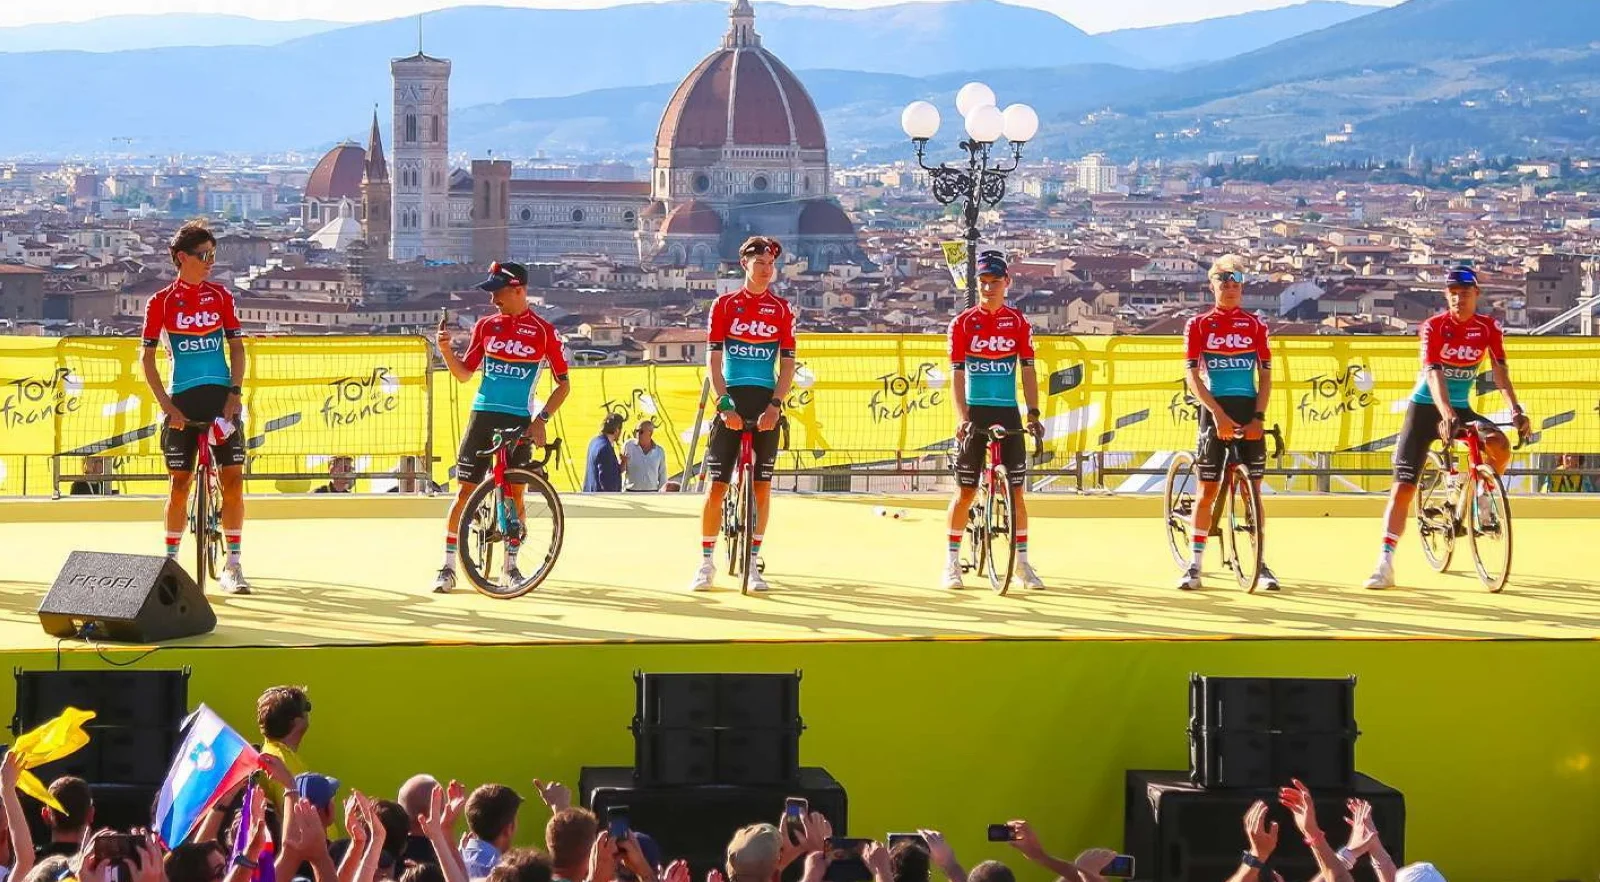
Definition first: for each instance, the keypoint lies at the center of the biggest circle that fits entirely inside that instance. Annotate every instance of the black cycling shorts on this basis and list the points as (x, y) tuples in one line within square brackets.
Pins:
[(1209, 452), (471, 461), (200, 405), (722, 447), (972, 453), (1417, 434)]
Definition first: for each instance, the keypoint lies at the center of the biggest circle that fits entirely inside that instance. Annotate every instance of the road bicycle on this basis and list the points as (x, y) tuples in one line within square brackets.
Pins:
[(990, 520), (1236, 502), (490, 519), (739, 511), (1450, 505), (205, 509)]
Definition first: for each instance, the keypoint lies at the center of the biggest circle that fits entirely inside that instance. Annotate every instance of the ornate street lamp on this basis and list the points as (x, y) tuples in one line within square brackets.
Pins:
[(976, 183)]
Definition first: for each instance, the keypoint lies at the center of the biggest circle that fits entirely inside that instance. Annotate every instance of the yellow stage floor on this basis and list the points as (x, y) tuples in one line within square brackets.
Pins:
[(357, 571)]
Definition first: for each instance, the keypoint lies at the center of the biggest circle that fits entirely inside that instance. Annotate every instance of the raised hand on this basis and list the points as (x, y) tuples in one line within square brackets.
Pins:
[(677, 871), (455, 803), (354, 824), (148, 866), (10, 771), (1023, 839), (1093, 860), (1297, 799), (940, 854), (817, 831), (432, 822), (1363, 833), (1261, 833), (876, 857), (554, 794), (603, 858)]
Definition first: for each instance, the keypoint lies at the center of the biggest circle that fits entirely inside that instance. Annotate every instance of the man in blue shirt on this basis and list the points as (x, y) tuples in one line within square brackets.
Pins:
[(602, 471)]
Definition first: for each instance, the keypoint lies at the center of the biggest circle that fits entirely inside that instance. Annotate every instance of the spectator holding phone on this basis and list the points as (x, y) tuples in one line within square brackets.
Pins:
[(1086, 868)]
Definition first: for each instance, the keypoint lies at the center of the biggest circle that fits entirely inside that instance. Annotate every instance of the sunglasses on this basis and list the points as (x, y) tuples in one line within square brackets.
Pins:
[(756, 249), (1236, 278), (206, 256)]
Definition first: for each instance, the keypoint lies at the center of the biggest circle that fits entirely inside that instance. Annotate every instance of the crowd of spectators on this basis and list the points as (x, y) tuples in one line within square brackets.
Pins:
[(420, 836)]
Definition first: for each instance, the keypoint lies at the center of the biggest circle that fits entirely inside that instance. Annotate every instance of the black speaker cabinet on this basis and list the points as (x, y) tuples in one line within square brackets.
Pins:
[(1180, 832), (741, 729), (134, 734), (1263, 731), (125, 598), (695, 823)]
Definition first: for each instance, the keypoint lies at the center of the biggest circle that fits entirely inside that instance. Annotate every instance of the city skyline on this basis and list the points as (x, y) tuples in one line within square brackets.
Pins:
[(1090, 16)]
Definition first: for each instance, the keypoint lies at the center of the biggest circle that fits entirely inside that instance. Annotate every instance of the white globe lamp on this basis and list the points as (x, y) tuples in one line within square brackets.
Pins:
[(985, 124)]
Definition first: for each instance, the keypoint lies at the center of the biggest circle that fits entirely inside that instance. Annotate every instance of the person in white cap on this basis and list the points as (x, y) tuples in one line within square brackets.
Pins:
[(1419, 873)]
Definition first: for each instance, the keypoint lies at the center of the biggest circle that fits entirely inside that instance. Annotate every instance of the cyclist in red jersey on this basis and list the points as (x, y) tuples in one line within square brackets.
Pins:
[(1454, 344), (991, 347), (197, 319)]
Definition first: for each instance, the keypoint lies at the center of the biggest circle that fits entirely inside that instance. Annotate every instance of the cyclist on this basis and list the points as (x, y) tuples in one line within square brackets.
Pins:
[(1230, 372), (750, 349), (197, 316), (989, 345), (510, 346), (1454, 344)]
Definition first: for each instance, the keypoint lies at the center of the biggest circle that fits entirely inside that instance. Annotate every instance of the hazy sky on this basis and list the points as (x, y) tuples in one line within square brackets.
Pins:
[(1091, 15)]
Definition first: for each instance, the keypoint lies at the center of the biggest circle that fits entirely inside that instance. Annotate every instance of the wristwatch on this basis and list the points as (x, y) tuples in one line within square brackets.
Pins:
[(236, 390), (1253, 862), (246, 862), (776, 402), (1033, 412), (543, 417)]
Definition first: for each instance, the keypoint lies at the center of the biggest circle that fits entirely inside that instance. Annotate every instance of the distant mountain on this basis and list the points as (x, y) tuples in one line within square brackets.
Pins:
[(1187, 44), (272, 97), (117, 33)]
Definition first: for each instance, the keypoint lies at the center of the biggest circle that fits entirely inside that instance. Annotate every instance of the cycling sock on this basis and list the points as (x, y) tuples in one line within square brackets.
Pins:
[(1390, 540), (173, 541), (708, 544), (1199, 549), (955, 546), (449, 551), (755, 546), (513, 545), (1022, 546), (233, 547)]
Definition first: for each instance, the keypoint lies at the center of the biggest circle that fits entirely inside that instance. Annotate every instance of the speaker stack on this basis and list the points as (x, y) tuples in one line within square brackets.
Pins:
[(132, 739), (1249, 736), (712, 753)]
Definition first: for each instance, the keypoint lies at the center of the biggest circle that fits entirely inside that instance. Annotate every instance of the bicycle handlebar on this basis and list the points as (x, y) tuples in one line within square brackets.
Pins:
[(1275, 433), (1522, 439), (551, 449), (1000, 433)]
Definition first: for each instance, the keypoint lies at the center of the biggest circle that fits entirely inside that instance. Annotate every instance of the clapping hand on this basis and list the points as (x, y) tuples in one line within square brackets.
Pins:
[(1363, 833), (1297, 799), (677, 871), (432, 822), (554, 794), (455, 803), (1261, 833)]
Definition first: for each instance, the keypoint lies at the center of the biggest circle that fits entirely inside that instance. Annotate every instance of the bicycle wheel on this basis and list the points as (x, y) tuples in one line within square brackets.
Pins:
[(748, 518), (1435, 514), (1002, 538), (977, 533), (1244, 529), (1489, 525), (214, 541), (732, 527), (1178, 495), (543, 526), (199, 520)]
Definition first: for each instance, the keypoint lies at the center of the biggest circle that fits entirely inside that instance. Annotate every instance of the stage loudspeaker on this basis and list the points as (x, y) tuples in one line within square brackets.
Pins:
[(1264, 731), (741, 729), (134, 734), (125, 598), (695, 823), (1178, 831)]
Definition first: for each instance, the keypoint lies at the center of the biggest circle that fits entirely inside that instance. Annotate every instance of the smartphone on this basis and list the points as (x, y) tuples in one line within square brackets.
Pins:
[(1001, 833), (117, 847), (895, 839), (1121, 867), (795, 808), (617, 823)]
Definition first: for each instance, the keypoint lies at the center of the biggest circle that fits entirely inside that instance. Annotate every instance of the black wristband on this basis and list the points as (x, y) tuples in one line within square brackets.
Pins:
[(1253, 862), (543, 416), (1260, 415), (776, 402), (236, 390), (248, 863), (1033, 411)]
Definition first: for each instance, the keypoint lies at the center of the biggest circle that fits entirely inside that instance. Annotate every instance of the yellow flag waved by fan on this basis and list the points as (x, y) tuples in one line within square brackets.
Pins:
[(61, 737)]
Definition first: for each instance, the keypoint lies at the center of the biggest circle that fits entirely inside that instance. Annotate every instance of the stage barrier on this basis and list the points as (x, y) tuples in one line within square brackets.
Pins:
[(859, 400)]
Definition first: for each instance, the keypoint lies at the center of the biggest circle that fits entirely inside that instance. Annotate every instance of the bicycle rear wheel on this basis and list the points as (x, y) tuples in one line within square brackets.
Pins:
[(1179, 495), (1002, 536), (1435, 515), (732, 527), (748, 516), (542, 528), (1245, 538), (1489, 525)]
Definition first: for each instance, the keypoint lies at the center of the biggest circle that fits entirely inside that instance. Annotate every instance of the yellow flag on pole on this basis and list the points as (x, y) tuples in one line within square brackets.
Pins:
[(60, 737)]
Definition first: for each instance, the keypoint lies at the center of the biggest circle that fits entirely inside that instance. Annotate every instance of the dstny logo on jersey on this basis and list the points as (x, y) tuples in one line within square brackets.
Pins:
[(196, 321), (1463, 353), (752, 351), (997, 345), (992, 366), (1230, 363), (511, 348), (757, 328), (201, 343), (508, 370), (1230, 342)]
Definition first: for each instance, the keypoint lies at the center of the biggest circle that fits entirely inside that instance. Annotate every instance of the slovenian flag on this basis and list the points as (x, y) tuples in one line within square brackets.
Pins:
[(213, 760)]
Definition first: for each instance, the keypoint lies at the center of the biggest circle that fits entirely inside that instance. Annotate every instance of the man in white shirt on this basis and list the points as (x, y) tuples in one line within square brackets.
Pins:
[(644, 462)]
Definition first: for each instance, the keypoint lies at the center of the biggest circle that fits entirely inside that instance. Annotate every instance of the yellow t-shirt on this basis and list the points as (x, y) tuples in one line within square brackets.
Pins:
[(291, 760)]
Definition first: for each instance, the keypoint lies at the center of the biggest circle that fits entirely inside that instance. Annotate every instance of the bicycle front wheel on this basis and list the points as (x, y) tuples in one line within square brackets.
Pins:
[(1489, 525), (732, 527), (748, 516), (1179, 495), (1435, 515), (485, 535), (1245, 538), (1002, 535), (199, 527), (214, 541)]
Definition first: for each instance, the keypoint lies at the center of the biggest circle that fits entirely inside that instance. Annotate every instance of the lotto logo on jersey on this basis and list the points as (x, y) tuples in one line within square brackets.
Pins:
[(511, 348), (185, 321), (1472, 354), (208, 343), (1229, 341), (755, 328), (997, 345)]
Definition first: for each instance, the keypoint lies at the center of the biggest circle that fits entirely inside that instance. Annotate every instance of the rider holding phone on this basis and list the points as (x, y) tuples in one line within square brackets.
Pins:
[(750, 351), (990, 344)]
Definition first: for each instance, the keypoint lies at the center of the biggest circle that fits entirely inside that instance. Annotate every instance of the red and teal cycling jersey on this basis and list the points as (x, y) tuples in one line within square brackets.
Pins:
[(1231, 345), (1458, 349), (753, 332), (987, 348), (196, 319), (510, 349)]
